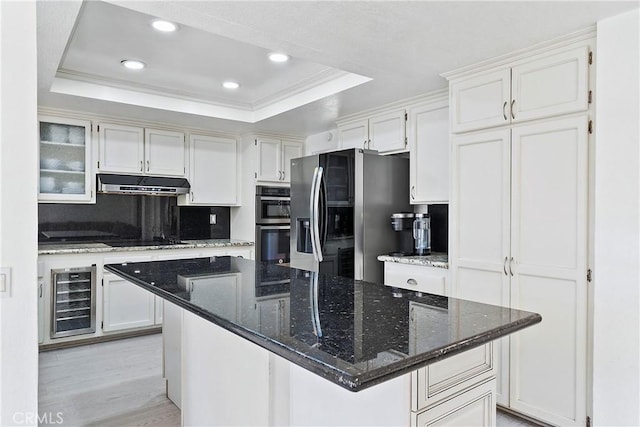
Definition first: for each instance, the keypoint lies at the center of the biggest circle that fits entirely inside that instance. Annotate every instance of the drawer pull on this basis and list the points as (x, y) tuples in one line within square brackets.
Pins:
[(412, 282)]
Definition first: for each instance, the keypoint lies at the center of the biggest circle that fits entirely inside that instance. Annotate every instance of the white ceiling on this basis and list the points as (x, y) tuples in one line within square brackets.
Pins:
[(402, 46)]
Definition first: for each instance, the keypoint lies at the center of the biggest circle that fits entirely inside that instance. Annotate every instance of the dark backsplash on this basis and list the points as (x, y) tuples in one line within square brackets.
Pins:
[(439, 215), (120, 217)]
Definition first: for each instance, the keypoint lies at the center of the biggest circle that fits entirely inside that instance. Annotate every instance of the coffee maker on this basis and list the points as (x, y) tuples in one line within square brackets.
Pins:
[(402, 224), (413, 233)]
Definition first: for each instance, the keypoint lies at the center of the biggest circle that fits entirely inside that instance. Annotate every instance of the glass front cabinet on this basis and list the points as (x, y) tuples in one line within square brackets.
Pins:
[(65, 160)]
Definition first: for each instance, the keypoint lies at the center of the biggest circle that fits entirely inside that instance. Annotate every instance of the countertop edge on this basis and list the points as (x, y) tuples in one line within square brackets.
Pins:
[(435, 260), (222, 243)]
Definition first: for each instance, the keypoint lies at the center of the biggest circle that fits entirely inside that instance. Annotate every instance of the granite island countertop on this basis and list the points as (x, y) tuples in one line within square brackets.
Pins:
[(82, 248), (354, 333), (436, 259)]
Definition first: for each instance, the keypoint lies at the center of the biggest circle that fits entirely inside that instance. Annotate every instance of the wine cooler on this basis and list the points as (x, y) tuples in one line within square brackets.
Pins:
[(74, 301)]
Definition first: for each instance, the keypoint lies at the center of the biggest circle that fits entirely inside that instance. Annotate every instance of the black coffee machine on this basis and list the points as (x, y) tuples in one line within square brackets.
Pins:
[(402, 224)]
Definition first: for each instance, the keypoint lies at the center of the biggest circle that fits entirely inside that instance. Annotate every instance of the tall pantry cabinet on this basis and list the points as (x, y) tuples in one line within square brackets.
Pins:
[(519, 217)]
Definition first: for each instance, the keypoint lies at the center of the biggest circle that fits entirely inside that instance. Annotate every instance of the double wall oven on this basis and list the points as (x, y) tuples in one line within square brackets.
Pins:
[(273, 224)]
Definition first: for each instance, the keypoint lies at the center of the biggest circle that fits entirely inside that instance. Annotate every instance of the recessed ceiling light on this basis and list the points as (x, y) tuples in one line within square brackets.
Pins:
[(164, 26), (278, 57), (133, 64), (231, 85)]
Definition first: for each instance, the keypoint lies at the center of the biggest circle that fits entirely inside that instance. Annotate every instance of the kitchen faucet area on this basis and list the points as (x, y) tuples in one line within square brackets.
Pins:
[(288, 213)]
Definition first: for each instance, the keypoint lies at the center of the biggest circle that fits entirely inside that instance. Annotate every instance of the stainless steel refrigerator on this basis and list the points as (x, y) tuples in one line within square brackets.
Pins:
[(341, 204)]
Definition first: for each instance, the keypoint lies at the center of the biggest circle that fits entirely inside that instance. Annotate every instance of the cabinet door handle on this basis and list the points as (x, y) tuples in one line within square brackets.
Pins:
[(504, 266), (364, 145), (140, 165), (283, 175), (412, 282), (369, 144), (413, 192), (511, 266), (504, 110), (512, 104), (411, 313), (147, 165), (40, 296)]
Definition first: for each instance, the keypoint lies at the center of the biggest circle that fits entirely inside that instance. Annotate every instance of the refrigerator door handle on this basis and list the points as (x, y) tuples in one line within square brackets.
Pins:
[(314, 211), (324, 214)]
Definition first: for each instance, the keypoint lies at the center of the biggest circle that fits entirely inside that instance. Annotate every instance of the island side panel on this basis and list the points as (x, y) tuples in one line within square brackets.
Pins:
[(316, 401), (225, 379), (172, 351)]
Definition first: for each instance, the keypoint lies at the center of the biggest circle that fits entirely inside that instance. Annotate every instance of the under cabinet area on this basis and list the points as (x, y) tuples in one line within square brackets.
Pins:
[(66, 174), (274, 159), (137, 150), (213, 172), (548, 85)]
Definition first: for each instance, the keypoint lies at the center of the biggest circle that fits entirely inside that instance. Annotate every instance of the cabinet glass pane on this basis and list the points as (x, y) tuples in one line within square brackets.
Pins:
[(62, 158)]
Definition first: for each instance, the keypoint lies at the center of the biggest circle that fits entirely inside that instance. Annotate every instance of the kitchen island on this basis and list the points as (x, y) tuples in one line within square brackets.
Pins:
[(272, 345)]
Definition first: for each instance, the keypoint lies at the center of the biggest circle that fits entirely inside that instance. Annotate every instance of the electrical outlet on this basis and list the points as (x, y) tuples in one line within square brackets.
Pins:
[(213, 219), (5, 282)]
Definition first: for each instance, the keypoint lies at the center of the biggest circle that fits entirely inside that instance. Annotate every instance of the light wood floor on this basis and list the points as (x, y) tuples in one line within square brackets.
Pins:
[(119, 383)]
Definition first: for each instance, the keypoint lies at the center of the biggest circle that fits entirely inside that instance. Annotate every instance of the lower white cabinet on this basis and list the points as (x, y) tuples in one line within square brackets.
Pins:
[(125, 305), (476, 407), (419, 278)]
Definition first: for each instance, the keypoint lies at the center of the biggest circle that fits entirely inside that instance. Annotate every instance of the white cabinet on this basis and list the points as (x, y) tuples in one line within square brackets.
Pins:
[(213, 165), (274, 159), (125, 305), (428, 135), (420, 278), (384, 132), (476, 407), (519, 238), (134, 150), (387, 132), (546, 86), (353, 135), (66, 175), (164, 152)]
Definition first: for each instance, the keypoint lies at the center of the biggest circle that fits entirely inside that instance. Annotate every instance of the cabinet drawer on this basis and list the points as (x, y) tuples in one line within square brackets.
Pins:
[(441, 380), (476, 407), (419, 278)]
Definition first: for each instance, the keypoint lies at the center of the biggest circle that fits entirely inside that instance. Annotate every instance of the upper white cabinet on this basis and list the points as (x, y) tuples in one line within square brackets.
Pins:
[(353, 135), (164, 152), (428, 133), (134, 150), (66, 174), (274, 159), (549, 85), (213, 165), (383, 132), (519, 239)]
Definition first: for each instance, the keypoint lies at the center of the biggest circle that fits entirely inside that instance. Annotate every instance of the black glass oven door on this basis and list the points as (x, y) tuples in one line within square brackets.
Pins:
[(273, 243)]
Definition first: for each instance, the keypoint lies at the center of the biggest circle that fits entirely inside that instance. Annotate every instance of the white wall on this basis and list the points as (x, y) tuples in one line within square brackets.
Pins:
[(18, 213), (616, 358)]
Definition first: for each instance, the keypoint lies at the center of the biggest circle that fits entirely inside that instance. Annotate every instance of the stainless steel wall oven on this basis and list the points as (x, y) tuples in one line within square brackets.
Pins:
[(273, 229)]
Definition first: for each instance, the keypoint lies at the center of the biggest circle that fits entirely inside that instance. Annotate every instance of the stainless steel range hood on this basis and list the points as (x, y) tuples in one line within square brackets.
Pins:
[(133, 184)]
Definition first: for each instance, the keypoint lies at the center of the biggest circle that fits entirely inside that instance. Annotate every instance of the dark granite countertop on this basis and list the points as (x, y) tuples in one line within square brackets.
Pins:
[(354, 333)]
